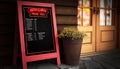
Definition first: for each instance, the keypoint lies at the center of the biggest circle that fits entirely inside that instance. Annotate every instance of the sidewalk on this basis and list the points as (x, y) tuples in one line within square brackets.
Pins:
[(109, 60), (41, 66)]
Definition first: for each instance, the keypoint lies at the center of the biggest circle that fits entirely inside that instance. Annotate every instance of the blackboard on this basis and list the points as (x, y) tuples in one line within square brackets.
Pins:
[(38, 29), (38, 32)]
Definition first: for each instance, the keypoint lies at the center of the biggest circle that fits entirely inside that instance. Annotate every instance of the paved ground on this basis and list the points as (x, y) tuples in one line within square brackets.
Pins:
[(105, 61)]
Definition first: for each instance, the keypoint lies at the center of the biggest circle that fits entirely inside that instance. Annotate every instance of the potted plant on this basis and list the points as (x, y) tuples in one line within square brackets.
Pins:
[(72, 41)]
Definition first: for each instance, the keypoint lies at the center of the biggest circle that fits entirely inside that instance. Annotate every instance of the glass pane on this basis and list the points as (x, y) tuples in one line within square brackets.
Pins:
[(86, 3), (79, 16), (102, 3), (80, 3), (108, 17), (108, 3), (86, 17), (102, 17)]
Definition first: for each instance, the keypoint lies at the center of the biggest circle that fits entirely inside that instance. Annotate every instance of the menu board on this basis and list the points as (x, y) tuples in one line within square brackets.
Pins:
[(38, 32), (38, 29)]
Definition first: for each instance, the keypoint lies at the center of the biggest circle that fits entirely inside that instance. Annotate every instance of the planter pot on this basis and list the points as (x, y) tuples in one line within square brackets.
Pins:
[(72, 49)]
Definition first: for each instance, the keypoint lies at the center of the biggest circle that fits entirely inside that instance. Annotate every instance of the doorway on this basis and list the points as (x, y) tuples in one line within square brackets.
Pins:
[(97, 19)]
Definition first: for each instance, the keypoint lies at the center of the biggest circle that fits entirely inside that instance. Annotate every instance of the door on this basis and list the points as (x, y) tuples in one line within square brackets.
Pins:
[(99, 24), (86, 23), (106, 25)]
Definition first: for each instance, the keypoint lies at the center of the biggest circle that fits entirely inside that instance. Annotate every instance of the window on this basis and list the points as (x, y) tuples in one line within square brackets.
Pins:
[(84, 12), (106, 12)]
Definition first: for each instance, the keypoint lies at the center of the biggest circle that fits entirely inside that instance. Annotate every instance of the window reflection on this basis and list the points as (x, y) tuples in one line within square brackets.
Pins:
[(86, 17), (108, 3), (79, 16), (105, 12), (102, 3), (80, 3), (86, 3), (102, 17), (108, 17), (84, 13)]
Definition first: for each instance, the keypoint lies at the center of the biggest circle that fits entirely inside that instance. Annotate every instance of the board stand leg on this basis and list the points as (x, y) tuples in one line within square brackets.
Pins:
[(24, 64), (58, 58), (58, 61)]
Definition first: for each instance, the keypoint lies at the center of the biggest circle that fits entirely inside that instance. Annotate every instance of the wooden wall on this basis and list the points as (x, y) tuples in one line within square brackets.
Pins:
[(118, 20), (66, 13), (7, 24), (118, 23)]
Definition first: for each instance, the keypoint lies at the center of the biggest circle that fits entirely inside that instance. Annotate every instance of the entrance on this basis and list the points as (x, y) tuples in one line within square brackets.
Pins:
[(97, 19)]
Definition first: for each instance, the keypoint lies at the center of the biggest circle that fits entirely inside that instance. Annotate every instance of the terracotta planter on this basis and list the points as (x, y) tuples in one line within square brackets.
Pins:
[(72, 49)]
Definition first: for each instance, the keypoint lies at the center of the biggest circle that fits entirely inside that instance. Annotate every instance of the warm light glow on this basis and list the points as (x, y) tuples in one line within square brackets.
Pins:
[(37, 11), (83, 13), (86, 17), (79, 16)]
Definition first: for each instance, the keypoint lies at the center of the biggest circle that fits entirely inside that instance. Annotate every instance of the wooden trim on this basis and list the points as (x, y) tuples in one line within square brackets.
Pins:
[(61, 10), (107, 31), (66, 19), (91, 37), (60, 2)]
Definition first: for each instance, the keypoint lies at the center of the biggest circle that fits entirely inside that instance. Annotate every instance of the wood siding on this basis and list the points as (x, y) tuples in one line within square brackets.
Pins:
[(7, 27), (118, 23), (66, 14)]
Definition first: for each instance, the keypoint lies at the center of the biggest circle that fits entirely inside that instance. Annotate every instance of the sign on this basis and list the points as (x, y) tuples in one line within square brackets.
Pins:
[(38, 32)]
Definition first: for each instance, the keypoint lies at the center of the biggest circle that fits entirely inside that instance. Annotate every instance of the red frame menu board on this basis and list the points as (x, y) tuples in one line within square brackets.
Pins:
[(38, 31)]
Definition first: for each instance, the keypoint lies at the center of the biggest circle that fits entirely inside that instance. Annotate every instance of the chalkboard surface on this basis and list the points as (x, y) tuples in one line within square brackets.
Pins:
[(38, 29)]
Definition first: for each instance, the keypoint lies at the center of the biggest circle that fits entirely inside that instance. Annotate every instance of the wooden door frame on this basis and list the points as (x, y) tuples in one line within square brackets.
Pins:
[(99, 31)]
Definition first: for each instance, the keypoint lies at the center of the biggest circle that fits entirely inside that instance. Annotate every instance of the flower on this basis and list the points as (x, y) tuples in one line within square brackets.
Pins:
[(71, 33)]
